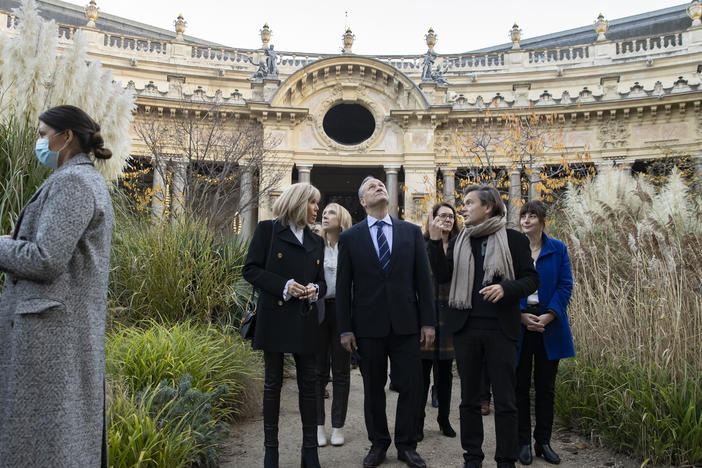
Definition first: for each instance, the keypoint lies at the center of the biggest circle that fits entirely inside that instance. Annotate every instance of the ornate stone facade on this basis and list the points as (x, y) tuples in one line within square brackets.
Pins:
[(619, 100)]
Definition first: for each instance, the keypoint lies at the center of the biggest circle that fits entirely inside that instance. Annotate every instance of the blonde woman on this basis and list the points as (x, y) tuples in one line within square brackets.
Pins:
[(335, 219), (285, 262)]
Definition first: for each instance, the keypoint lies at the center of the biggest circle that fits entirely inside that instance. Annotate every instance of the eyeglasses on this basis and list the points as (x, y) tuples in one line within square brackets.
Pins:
[(446, 216)]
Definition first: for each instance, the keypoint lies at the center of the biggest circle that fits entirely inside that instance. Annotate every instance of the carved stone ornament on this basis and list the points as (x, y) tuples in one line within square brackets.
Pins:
[(601, 26), (694, 11), (614, 134), (334, 98), (265, 36), (431, 38), (92, 12), (180, 25)]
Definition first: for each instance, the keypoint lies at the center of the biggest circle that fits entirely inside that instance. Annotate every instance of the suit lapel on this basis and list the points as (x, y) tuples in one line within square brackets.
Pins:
[(286, 234), (307, 240), (396, 235)]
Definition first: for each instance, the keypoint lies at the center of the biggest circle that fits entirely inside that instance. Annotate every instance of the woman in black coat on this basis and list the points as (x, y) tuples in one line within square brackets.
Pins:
[(286, 263)]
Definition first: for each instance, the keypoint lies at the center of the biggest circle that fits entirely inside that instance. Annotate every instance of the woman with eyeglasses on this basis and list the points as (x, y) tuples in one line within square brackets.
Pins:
[(440, 354), (546, 336)]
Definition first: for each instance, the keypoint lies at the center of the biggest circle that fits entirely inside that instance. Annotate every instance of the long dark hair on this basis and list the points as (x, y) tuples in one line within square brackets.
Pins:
[(62, 118), (434, 210)]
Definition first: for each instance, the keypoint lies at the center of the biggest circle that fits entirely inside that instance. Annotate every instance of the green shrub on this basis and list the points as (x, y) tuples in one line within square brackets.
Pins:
[(635, 410), (176, 271), (186, 404), (213, 356), (141, 437)]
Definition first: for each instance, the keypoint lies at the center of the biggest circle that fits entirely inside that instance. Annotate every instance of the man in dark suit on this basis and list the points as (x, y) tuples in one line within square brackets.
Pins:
[(490, 269), (385, 309)]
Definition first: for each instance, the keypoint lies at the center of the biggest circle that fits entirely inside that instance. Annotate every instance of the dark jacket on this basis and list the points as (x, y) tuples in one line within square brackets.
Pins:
[(553, 266), (370, 303), (507, 309), (285, 326)]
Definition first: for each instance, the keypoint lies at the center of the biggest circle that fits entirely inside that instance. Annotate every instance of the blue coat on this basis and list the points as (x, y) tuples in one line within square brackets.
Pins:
[(553, 266)]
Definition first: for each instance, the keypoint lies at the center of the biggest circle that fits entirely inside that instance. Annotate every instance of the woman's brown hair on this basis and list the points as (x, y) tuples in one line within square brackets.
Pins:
[(86, 130), (434, 210)]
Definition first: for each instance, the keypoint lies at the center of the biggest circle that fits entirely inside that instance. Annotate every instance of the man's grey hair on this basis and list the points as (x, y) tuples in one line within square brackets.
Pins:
[(488, 195), (365, 181)]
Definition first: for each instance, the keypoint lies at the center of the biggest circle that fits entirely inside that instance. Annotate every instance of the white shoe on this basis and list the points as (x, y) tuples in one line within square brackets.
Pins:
[(321, 436), (337, 437)]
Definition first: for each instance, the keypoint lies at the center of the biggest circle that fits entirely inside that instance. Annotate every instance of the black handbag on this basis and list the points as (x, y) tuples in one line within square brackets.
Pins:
[(247, 328)]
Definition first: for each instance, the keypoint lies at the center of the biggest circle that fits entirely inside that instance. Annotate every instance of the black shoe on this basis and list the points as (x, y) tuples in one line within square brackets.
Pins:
[(375, 457), (505, 465), (411, 457), (446, 429), (525, 457), (434, 397), (309, 458), (546, 452)]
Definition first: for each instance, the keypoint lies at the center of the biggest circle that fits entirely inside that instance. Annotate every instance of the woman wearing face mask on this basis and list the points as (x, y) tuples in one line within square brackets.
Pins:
[(285, 262), (440, 355), (546, 336), (335, 219), (53, 305)]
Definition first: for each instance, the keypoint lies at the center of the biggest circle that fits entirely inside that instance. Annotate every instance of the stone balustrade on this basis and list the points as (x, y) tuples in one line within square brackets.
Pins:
[(454, 65)]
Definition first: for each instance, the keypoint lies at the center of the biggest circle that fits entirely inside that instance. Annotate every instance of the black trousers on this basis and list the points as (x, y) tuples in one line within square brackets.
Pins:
[(443, 379), (403, 351), (330, 345), (499, 354), (533, 355), (273, 381)]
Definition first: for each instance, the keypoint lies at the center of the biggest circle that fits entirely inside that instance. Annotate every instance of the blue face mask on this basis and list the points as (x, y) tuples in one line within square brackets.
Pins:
[(45, 155)]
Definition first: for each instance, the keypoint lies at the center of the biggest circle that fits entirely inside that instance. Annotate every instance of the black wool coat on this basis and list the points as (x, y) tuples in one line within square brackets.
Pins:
[(288, 326)]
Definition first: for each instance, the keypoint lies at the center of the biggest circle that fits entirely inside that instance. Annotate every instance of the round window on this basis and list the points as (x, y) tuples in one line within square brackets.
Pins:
[(349, 124)]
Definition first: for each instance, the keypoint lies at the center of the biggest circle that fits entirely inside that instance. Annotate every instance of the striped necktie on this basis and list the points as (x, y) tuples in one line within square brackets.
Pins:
[(383, 247)]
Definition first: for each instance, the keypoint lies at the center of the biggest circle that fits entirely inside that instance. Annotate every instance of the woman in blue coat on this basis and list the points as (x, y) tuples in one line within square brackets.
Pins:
[(546, 336)]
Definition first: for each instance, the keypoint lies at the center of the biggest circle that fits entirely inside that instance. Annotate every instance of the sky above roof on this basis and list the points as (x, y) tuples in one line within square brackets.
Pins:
[(381, 26)]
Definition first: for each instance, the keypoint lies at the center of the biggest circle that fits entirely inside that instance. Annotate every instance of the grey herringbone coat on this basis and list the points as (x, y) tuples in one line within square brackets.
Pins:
[(52, 323)]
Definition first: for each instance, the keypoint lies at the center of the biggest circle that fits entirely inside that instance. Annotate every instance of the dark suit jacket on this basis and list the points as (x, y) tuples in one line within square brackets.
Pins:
[(507, 309), (285, 326), (370, 303)]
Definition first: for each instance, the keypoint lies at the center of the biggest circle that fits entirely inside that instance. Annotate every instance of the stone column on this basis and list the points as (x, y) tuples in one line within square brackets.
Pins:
[(180, 175), (391, 183), (534, 180), (515, 195), (246, 207), (158, 185), (303, 172), (449, 184)]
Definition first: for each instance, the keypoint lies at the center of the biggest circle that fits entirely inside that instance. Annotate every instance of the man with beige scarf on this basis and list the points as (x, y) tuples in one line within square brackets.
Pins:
[(490, 269)]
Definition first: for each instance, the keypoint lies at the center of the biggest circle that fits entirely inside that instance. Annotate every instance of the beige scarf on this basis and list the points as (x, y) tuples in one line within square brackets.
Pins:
[(497, 262)]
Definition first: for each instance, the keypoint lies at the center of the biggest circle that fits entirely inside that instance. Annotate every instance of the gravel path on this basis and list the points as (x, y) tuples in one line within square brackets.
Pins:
[(245, 447)]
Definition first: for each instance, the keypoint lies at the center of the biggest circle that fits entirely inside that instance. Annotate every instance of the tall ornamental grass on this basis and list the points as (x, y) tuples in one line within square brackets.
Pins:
[(36, 75), (636, 315), (176, 271), (212, 356)]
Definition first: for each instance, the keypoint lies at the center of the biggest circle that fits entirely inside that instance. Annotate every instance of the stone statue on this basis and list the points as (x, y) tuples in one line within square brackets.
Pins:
[(429, 59), (437, 76), (262, 71), (271, 57)]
